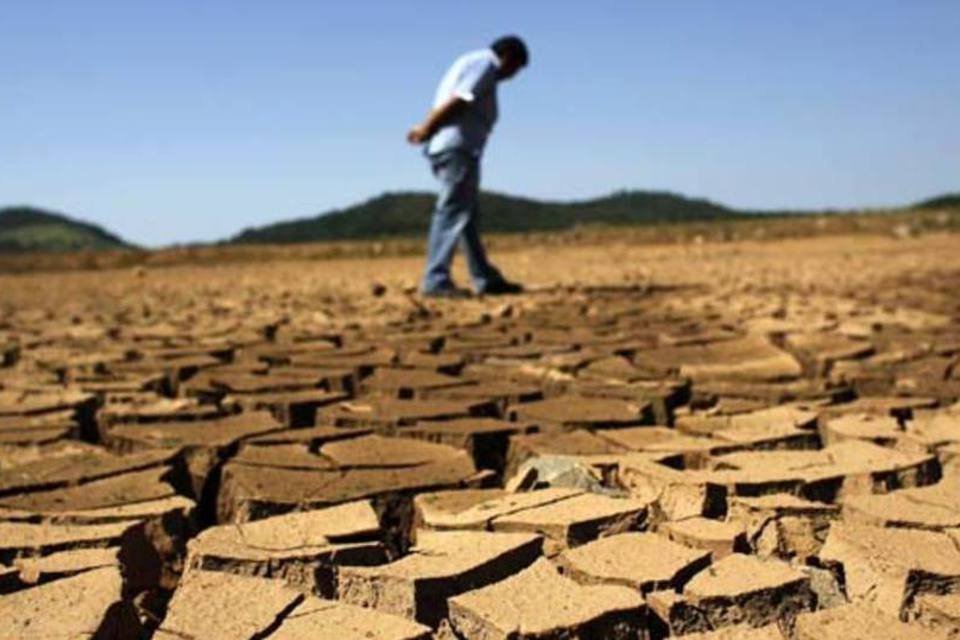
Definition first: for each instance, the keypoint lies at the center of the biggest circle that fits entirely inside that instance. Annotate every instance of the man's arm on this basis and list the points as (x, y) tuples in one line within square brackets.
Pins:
[(436, 119)]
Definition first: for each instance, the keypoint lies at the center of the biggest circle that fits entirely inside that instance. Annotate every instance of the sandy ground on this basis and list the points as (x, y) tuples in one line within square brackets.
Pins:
[(846, 264)]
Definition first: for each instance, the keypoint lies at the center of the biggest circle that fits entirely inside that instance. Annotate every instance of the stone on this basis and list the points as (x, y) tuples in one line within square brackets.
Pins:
[(574, 443), (560, 471)]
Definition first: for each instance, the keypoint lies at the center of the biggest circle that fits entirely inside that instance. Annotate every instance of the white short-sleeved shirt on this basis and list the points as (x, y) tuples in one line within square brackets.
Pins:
[(473, 78)]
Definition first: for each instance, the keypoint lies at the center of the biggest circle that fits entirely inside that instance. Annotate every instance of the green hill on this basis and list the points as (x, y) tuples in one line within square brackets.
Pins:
[(408, 214), (946, 201), (24, 229)]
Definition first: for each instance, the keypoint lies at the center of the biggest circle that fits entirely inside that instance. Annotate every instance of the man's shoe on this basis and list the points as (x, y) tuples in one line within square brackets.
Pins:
[(502, 287), (451, 292)]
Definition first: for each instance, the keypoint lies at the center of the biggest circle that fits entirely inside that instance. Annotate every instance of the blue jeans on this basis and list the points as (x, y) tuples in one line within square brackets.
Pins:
[(455, 221)]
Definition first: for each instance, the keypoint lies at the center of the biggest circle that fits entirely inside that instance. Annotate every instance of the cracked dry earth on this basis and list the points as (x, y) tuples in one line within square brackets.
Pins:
[(742, 440)]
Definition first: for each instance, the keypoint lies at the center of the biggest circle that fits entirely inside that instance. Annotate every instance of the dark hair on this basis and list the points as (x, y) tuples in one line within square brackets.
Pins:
[(513, 47)]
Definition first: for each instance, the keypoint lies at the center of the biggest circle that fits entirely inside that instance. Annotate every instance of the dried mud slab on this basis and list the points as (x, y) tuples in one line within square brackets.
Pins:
[(204, 444), (126, 488), (643, 561), (783, 525), (717, 537), (61, 564), (854, 622), (934, 429), (503, 394), (251, 492), (24, 539), (76, 468), (940, 613), (663, 396), (664, 441), (882, 430), (302, 549), (575, 520), (387, 415), (410, 384), (540, 603), (315, 618), (888, 568), (441, 565), (826, 475), (935, 507), (485, 439), (572, 412), (739, 589), (739, 632), (90, 604), (750, 359), (379, 452), (673, 494), (293, 408), (213, 604), (452, 510)]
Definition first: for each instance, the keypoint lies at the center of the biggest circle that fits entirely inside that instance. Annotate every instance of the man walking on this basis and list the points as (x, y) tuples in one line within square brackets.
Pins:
[(455, 132)]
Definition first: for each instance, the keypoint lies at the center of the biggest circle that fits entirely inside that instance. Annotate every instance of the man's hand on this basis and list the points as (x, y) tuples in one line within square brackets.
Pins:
[(418, 134), (435, 119)]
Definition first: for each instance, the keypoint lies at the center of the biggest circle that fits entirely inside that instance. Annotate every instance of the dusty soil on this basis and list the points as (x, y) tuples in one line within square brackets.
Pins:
[(736, 439)]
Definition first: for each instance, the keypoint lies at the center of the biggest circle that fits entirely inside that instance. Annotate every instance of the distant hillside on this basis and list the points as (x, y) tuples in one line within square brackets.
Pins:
[(946, 201), (408, 213), (25, 229)]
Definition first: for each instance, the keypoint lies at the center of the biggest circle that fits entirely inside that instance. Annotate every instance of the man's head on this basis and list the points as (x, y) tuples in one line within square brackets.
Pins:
[(513, 55)]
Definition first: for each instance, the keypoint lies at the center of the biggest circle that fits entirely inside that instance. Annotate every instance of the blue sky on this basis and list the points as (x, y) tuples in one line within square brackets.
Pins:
[(187, 120)]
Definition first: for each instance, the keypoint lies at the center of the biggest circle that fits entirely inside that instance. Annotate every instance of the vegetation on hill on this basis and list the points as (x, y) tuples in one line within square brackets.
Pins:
[(946, 201), (408, 214), (28, 229)]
